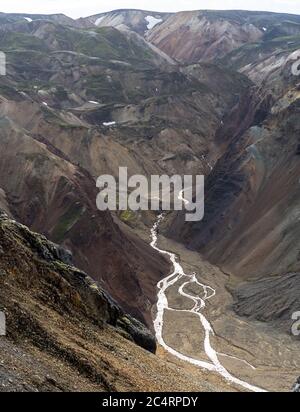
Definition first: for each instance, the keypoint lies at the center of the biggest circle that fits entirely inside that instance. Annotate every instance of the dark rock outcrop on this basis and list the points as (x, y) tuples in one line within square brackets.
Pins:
[(140, 334), (296, 387)]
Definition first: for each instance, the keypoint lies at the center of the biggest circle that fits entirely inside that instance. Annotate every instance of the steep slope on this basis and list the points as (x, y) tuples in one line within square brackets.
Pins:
[(8, 18), (260, 59), (52, 195), (63, 86), (139, 21), (139, 91), (104, 43), (160, 120), (46, 188), (251, 221), (207, 35), (65, 334)]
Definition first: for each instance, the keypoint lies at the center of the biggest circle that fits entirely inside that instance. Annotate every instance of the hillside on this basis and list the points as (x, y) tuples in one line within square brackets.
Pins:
[(200, 92), (55, 101), (139, 21), (66, 334), (251, 227)]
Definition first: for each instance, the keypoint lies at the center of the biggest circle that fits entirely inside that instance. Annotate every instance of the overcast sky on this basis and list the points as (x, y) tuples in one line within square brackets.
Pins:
[(77, 8)]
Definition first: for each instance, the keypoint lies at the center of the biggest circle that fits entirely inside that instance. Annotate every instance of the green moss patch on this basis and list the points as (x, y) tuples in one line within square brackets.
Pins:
[(66, 222)]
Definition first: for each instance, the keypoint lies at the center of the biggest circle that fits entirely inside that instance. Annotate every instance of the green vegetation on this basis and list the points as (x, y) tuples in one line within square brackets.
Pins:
[(38, 159), (257, 18), (105, 43), (60, 93), (52, 117), (66, 222), (127, 216), (249, 53), (21, 41), (9, 92), (100, 88)]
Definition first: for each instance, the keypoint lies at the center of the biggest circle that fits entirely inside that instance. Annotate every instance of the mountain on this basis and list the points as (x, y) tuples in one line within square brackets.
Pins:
[(50, 191), (251, 227), (7, 18), (63, 86), (196, 36), (202, 92), (208, 35), (259, 61), (139, 21)]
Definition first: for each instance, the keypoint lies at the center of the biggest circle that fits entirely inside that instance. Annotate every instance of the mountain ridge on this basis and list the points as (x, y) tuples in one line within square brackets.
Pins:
[(199, 92)]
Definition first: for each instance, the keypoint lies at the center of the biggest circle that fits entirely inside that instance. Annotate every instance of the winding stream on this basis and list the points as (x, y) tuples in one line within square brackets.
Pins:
[(199, 304)]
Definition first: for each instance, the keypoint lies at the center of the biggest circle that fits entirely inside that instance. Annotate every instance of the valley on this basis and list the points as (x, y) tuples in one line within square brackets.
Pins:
[(191, 93), (246, 353)]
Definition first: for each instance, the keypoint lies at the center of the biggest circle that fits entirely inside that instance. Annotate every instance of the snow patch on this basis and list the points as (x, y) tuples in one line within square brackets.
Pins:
[(294, 56), (264, 29), (43, 92), (28, 19), (109, 124), (99, 20), (152, 22), (93, 102), (45, 104)]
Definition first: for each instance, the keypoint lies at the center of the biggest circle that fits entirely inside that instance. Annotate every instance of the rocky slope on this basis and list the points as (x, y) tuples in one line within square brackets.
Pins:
[(251, 225), (259, 61), (64, 333), (206, 35), (63, 86), (209, 35), (139, 21), (195, 36), (45, 184), (54, 196)]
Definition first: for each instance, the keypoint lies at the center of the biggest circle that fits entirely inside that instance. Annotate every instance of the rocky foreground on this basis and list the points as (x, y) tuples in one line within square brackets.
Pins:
[(64, 333)]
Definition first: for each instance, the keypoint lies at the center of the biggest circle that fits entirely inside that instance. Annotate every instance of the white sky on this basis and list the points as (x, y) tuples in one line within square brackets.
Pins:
[(78, 8)]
